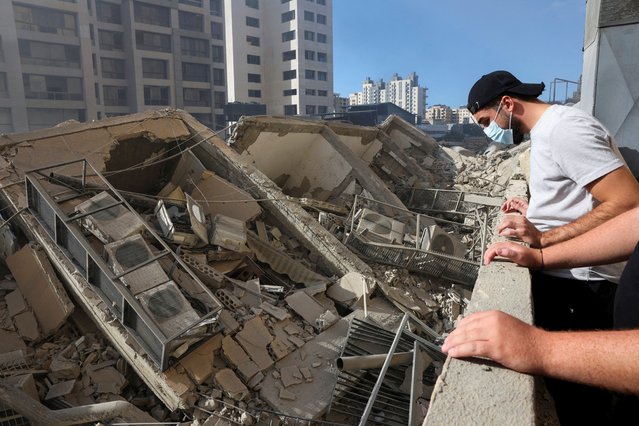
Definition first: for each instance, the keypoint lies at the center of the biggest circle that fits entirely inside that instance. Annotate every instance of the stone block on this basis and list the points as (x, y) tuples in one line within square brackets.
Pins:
[(27, 325), (255, 339), (40, 287), (236, 356), (231, 385)]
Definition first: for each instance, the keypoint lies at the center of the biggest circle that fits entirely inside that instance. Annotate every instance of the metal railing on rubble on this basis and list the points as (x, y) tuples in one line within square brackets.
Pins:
[(64, 231), (448, 201), (457, 263)]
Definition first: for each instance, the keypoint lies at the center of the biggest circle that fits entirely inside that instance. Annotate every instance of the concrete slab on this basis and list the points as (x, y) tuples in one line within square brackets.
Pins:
[(236, 356), (26, 383), (178, 380), (291, 375), (15, 303), (279, 348), (255, 339), (228, 322), (350, 288), (60, 389), (27, 325), (276, 312), (311, 310), (231, 384), (108, 379), (40, 287), (308, 400), (199, 363), (212, 189)]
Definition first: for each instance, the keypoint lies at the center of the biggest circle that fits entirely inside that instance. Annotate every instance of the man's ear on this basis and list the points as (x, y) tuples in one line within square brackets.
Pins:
[(507, 103)]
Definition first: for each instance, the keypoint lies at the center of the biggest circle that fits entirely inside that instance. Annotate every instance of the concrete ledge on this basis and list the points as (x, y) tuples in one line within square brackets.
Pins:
[(477, 392), (482, 393)]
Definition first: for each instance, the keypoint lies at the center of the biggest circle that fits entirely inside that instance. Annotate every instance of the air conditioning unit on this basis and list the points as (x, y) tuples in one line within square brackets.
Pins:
[(110, 224), (169, 308), (165, 218), (375, 227), (228, 233), (437, 240), (129, 253)]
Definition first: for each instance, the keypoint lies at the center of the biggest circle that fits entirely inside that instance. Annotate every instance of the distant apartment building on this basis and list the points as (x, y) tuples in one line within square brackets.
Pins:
[(403, 92), (461, 115), (279, 53), (91, 59), (340, 104), (439, 114), (372, 93)]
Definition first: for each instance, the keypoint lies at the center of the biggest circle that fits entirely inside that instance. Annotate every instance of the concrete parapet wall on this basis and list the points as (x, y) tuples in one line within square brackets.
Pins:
[(476, 392)]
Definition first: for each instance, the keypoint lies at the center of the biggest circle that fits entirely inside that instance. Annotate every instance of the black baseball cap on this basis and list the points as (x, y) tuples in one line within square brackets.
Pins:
[(498, 83)]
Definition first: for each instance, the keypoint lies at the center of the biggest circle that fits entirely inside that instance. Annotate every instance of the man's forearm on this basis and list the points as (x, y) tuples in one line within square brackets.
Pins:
[(618, 191), (612, 241), (608, 359), (590, 220)]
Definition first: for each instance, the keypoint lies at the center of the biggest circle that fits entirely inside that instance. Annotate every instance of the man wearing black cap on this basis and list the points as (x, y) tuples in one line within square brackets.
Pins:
[(578, 181)]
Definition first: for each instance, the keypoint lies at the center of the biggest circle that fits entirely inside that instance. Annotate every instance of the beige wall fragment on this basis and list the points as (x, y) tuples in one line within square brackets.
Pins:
[(40, 287)]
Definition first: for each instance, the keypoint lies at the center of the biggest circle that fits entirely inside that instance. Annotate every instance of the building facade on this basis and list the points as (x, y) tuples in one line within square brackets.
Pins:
[(439, 114), (403, 92), (91, 59), (87, 60), (280, 53), (340, 104), (461, 115)]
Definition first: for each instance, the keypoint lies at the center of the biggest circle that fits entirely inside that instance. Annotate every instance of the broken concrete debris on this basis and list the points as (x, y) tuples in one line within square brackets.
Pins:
[(40, 287), (247, 302)]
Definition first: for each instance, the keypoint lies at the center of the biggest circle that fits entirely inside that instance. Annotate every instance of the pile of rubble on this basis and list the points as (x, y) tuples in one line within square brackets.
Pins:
[(488, 171), (220, 280)]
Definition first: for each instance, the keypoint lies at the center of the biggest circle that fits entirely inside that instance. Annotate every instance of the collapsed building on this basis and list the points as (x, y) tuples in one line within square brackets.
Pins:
[(300, 270)]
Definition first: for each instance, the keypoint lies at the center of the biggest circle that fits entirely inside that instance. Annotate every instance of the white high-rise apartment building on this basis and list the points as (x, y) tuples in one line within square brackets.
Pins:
[(280, 53), (405, 93), (372, 93)]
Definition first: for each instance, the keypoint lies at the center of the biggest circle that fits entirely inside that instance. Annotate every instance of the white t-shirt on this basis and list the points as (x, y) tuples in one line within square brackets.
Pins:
[(569, 150)]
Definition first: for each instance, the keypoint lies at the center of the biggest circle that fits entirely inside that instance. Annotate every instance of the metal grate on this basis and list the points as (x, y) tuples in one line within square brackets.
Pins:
[(355, 388), (8, 417), (411, 256)]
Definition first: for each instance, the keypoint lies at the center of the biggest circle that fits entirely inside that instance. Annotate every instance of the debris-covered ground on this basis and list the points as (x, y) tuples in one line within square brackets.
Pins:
[(202, 281)]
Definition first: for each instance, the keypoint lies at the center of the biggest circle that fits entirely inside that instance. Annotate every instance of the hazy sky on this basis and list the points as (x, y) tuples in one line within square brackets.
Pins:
[(451, 43)]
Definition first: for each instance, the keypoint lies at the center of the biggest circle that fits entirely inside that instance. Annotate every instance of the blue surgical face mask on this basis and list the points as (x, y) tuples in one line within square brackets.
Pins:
[(496, 133)]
